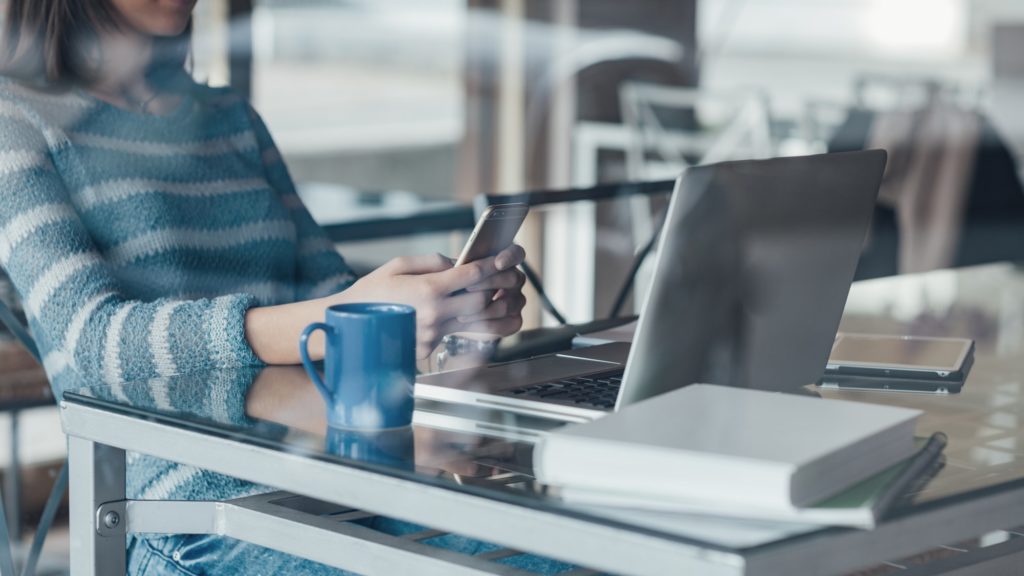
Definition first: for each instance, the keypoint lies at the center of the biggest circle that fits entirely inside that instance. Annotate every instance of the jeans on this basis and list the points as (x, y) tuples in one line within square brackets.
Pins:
[(208, 555)]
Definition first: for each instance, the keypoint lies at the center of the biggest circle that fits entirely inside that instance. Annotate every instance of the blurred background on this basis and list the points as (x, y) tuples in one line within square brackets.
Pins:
[(394, 116)]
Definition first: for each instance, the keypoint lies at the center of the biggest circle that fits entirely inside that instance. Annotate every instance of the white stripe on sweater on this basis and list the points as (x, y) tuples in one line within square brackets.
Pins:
[(10, 110), (78, 322), (160, 341), (112, 374), (63, 99), (218, 330), (158, 389), (169, 239), (316, 246), (219, 411), (27, 223), (215, 147), (54, 277), (173, 479), (13, 161), (119, 189), (55, 363)]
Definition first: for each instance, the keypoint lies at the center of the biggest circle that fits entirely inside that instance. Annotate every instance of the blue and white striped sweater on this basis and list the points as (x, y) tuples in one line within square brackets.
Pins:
[(137, 243)]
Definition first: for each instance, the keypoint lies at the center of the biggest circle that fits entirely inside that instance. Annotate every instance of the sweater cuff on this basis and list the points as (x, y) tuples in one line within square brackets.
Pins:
[(228, 345)]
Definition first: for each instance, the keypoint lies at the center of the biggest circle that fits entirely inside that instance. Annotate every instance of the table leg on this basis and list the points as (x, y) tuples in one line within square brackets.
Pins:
[(97, 475)]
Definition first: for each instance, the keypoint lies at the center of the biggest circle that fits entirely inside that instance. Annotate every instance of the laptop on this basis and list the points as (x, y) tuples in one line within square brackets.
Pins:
[(753, 269)]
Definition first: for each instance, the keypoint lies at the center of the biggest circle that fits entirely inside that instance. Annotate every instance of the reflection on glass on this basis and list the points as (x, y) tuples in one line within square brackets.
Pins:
[(394, 447)]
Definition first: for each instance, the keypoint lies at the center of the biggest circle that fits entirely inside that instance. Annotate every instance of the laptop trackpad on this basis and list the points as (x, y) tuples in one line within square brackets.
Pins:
[(514, 374)]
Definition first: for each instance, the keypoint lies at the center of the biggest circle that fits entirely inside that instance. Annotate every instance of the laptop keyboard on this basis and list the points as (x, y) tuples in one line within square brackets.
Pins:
[(593, 391)]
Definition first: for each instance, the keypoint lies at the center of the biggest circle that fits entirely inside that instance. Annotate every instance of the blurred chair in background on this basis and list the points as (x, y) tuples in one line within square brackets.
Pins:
[(673, 127), (24, 394), (952, 196)]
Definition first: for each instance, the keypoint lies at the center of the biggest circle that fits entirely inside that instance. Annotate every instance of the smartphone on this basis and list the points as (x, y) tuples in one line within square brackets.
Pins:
[(892, 358), (494, 231)]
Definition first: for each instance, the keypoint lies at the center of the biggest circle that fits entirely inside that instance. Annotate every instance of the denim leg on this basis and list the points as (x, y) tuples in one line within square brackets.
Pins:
[(216, 555), (208, 555)]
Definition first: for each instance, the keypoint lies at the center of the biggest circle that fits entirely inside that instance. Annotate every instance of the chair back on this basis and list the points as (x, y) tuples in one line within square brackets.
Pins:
[(674, 127)]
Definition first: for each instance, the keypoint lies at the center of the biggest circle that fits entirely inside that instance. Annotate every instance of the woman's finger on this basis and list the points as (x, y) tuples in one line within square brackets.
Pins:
[(510, 257), (464, 304), (509, 279), (509, 305), (464, 276)]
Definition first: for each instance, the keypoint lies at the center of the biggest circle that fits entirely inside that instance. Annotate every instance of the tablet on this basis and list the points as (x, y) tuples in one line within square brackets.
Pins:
[(914, 357)]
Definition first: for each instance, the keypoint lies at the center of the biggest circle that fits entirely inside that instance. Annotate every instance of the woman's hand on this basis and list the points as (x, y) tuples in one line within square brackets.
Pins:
[(482, 297)]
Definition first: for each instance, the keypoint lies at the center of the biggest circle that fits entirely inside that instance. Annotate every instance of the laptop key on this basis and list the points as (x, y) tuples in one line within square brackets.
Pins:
[(550, 393)]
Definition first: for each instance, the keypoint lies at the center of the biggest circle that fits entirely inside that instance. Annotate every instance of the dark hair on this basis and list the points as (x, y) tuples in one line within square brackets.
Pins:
[(53, 43)]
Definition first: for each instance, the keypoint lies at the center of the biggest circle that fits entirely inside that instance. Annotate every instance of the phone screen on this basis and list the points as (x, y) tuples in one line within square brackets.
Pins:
[(496, 231), (896, 351)]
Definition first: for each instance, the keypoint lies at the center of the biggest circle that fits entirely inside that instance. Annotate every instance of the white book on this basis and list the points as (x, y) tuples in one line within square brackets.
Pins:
[(859, 506), (721, 444)]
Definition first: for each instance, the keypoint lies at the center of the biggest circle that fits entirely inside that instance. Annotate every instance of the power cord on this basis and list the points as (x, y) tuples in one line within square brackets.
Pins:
[(638, 260), (545, 302)]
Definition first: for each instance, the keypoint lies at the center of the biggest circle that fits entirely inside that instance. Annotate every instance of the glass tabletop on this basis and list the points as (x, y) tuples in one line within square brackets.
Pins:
[(489, 452)]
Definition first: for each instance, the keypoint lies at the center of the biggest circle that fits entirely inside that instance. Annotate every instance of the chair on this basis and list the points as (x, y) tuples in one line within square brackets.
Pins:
[(11, 322), (674, 127), (993, 212)]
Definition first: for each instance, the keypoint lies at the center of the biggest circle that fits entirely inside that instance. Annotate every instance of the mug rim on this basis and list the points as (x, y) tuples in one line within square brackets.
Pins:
[(371, 309)]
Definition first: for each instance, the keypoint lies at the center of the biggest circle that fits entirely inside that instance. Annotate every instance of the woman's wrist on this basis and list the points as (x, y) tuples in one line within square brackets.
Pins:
[(273, 331)]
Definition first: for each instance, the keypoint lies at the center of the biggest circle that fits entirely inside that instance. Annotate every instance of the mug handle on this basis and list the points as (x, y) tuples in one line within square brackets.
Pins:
[(308, 364)]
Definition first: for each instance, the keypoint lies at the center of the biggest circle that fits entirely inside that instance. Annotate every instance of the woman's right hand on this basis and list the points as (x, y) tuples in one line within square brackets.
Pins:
[(433, 286)]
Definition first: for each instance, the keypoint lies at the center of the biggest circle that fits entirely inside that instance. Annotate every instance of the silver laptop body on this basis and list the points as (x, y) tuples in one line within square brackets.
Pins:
[(753, 269)]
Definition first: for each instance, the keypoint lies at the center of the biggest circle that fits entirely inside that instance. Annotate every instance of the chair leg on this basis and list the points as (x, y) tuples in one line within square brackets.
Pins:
[(6, 556), (13, 487), (46, 520)]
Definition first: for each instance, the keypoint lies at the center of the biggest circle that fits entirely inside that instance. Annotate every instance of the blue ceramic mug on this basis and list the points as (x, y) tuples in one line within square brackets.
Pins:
[(369, 365)]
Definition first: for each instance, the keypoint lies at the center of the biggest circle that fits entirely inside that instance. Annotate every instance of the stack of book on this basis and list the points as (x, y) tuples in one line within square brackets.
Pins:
[(732, 452)]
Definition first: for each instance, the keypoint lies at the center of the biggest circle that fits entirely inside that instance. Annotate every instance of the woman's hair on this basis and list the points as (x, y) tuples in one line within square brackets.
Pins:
[(54, 43)]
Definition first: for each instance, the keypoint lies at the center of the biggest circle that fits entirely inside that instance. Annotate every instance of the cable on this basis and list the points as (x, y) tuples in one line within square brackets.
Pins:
[(638, 261), (545, 302)]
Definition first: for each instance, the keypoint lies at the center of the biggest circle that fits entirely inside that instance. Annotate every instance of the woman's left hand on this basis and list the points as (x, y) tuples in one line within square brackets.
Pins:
[(503, 316)]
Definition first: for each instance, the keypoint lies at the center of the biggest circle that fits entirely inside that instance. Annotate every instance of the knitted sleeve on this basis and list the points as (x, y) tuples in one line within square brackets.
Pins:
[(78, 312), (321, 270)]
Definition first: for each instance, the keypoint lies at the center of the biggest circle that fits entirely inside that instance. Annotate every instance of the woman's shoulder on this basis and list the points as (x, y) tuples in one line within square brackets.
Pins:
[(16, 91), (43, 108)]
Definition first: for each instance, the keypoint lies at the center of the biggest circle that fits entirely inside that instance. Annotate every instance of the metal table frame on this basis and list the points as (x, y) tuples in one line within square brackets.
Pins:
[(101, 516)]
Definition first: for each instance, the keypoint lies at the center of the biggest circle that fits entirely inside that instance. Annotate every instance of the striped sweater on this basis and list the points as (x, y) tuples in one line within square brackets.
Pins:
[(137, 243)]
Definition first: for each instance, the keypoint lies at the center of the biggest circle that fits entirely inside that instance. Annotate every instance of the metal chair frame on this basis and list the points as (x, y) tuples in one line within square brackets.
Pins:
[(7, 564)]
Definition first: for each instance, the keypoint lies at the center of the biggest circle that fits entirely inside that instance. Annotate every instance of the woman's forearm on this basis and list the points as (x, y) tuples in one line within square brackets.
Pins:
[(273, 331), (427, 283)]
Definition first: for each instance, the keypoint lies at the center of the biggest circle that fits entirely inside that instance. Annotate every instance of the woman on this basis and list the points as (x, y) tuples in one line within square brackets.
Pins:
[(151, 229)]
